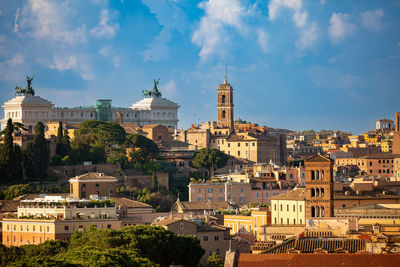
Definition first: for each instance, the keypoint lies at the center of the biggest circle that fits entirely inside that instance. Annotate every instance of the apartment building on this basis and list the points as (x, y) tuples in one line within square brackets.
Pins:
[(57, 217)]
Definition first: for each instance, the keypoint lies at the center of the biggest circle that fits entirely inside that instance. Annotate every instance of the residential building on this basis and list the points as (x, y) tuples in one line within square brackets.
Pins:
[(57, 217), (93, 183), (213, 237), (248, 224), (289, 208)]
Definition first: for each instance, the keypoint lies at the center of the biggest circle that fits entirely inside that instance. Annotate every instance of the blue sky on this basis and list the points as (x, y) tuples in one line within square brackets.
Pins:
[(294, 64)]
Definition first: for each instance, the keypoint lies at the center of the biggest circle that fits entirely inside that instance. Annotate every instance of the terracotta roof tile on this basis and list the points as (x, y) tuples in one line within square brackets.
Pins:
[(317, 260)]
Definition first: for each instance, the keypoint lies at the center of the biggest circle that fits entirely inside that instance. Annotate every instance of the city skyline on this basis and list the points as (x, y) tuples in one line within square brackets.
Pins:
[(293, 64)]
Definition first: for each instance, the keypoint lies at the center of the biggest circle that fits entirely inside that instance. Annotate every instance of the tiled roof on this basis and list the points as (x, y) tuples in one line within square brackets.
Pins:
[(295, 194), (8, 205), (206, 227), (310, 245), (317, 260), (216, 205), (166, 222), (93, 176), (129, 203)]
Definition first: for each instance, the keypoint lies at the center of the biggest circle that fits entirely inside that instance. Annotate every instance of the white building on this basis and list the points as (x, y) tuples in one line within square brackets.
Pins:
[(28, 109), (289, 208), (384, 124)]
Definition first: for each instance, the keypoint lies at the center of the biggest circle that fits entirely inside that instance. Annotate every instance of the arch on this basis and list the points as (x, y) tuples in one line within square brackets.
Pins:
[(322, 211), (322, 174), (223, 99), (312, 175), (312, 211), (223, 114), (322, 192), (317, 211), (312, 192), (317, 175), (317, 192)]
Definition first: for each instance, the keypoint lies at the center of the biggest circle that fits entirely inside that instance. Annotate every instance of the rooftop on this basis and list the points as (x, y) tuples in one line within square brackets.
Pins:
[(93, 176), (295, 194)]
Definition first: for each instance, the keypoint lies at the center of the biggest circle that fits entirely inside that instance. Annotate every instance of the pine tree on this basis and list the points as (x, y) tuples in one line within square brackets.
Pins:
[(154, 182), (41, 153)]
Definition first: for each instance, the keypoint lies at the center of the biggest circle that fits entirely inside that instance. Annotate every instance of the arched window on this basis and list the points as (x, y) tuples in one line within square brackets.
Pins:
[(223, 99), (312, 211), (322, 211), (223, 114), (317, 212), (317, 175), (312, 175), (312, 192), (322, 192), (322, 175), (317, 194)]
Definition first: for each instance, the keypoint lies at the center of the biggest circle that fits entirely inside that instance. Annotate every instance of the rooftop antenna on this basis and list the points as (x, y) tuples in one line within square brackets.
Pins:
[(226, 74)]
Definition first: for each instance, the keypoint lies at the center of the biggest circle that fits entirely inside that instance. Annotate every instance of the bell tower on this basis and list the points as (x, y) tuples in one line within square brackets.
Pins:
[(225, 105), (396, 135), (319, 187)]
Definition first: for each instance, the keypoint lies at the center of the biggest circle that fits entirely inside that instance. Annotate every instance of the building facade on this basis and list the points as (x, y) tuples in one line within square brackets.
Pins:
[(28, 108), (289, 208)]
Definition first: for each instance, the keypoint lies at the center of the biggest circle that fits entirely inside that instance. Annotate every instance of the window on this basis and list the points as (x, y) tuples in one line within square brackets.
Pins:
[(216, 238), (287, 207), (241, 190), (266, 194), (300, 208), (238, 153), (181, 226), (199, 199), (217, 251), (66, 228), (220, 190), (108, 226), (221, 199), (370, 163), (257, 194), (83, 186), (294, 207), (199, 190), (241, 199), (205, 238), (229, 145), (238, 144), (274, 206), (97, 185), (253, 144), (210, 190), (281, 207), (247, 144), (210, 199)]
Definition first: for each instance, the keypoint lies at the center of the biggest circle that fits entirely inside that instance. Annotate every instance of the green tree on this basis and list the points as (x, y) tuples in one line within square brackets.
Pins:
[(28, 162), (215, 261), (154, 182), (16, 190), (10, 154), (144, 149), (40, 157), (210, 159)]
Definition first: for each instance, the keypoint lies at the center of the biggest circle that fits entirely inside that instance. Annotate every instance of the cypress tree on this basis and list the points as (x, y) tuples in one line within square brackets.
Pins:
[(28, 162), (66, 142), (154, 182), (60, 146), (41, 153), (7, 152)]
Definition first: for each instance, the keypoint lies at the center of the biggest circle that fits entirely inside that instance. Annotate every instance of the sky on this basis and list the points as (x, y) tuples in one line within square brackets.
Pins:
[(293, 64)]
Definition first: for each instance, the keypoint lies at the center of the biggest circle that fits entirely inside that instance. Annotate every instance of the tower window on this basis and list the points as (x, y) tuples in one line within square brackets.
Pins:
[(223, 114), (223, 99)]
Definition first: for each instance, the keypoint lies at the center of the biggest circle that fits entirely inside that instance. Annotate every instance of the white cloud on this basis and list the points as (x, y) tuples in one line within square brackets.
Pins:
[(170, 89), (340, 27), (108, 53), (211, 35), (307, 30), (262, 40), (17, 59), (322, 2), (44, 19), (105, 29), (63, 63), (308, 36), (275, 5), (372, 20)]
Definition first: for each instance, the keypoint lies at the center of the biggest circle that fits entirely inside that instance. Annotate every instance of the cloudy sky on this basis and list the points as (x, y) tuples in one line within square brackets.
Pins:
[(317, 64)]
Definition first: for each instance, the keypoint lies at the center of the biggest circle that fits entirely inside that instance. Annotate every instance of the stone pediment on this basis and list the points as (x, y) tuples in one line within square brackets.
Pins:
[(318, 158)]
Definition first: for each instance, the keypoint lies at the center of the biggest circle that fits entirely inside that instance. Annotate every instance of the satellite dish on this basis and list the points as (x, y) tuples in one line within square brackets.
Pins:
[(310, 222)]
